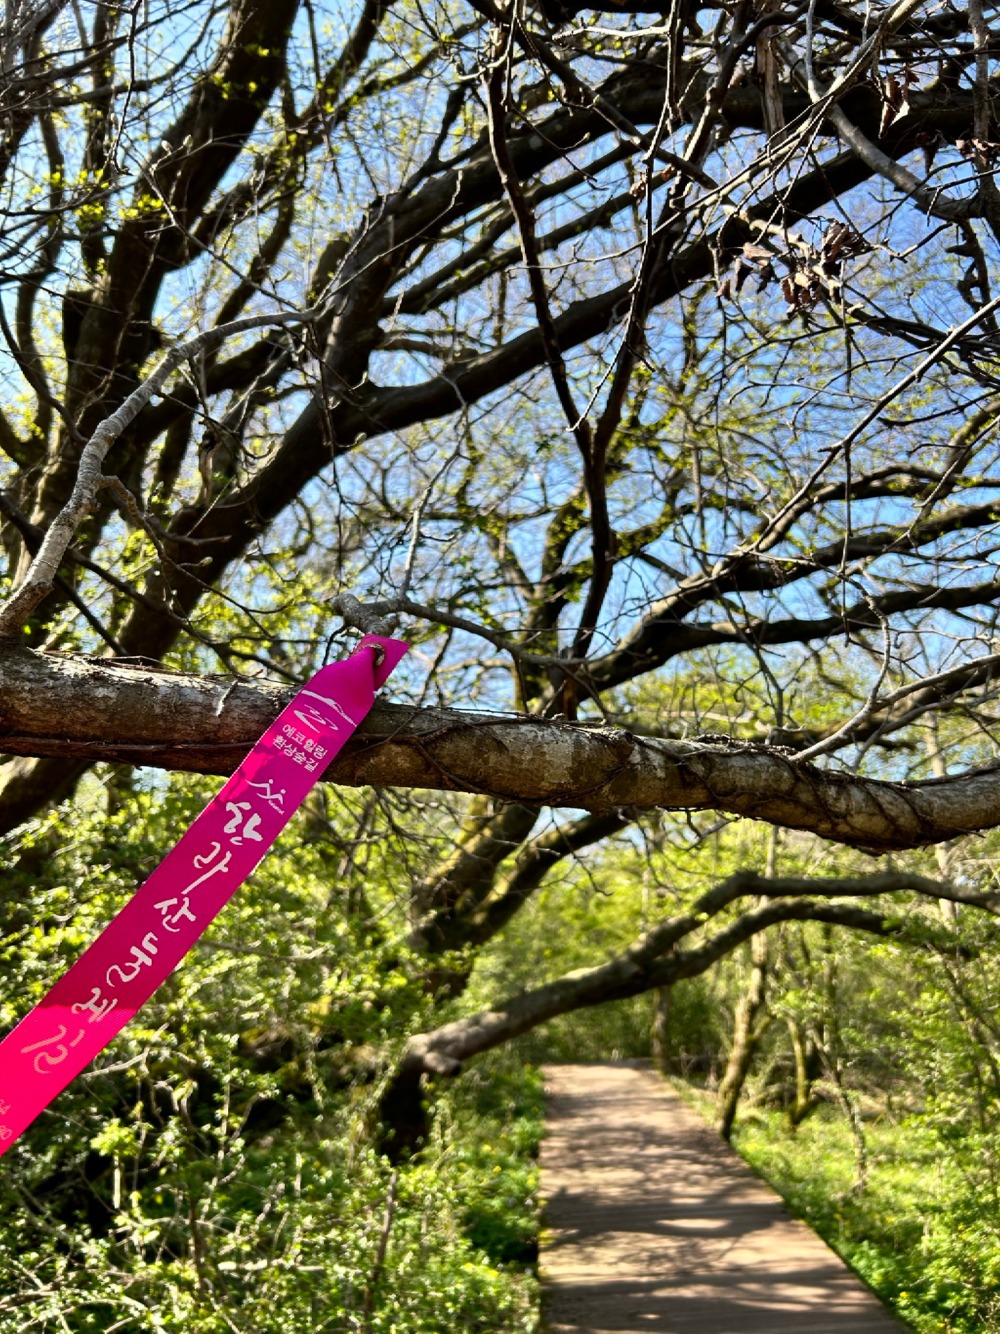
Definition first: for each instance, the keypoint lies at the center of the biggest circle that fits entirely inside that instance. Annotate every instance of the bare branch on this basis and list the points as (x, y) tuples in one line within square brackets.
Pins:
[(39, 579)]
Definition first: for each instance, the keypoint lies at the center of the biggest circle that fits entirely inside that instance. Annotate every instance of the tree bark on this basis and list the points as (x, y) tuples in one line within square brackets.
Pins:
[(747, 1033), (661, 1030), (71, 708), (807, 1068)]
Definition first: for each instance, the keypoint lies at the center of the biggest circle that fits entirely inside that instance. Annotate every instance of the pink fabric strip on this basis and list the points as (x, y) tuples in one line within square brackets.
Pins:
[(143, 944)]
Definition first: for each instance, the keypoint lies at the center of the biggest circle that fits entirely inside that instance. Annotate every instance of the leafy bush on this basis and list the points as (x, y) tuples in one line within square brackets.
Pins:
[(218, 1168), (926, 1243)]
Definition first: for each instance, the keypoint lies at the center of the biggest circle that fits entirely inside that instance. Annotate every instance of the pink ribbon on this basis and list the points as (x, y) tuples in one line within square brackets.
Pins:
[(146, 941)]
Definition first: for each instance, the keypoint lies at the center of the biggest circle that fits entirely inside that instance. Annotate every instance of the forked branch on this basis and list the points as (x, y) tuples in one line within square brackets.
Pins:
[(41, 575)]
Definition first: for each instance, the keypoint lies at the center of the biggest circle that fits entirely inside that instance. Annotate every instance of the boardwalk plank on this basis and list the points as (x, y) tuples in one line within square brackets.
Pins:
[(652, 1223)]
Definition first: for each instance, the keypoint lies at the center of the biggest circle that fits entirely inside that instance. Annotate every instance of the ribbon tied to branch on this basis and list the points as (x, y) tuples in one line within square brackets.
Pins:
[(144, 943)]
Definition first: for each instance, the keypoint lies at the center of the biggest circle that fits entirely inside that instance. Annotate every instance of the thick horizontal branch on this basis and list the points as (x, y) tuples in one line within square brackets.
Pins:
[(74, 708), (444, 1050)]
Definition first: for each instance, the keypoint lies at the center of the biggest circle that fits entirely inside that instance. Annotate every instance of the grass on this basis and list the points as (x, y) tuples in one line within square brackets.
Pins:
[(923, 1234)]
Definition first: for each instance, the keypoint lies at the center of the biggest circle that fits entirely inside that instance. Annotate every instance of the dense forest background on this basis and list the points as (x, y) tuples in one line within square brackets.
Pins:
[(639, 367)]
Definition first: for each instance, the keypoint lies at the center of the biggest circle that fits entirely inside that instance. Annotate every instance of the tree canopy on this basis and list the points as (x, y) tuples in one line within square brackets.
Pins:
[(638, 363)]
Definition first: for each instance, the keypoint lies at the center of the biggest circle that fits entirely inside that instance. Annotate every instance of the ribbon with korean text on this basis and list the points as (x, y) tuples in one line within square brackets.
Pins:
[(145, 942)]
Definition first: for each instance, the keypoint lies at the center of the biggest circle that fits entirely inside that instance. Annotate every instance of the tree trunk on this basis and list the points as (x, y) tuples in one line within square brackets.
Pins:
[(661, 1030), (806, 1070), (746, 1037), (832, 1053)]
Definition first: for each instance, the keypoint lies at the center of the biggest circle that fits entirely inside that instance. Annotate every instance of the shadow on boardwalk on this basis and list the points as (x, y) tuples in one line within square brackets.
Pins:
[(652, 1223)]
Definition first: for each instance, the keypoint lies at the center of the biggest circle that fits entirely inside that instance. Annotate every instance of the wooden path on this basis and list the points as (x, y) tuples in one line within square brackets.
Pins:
[(652, 1223)]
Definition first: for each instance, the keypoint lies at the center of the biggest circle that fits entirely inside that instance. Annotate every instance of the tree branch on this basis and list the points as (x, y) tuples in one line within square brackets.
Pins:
[(445, 1049), (175, 721), (41, 574)]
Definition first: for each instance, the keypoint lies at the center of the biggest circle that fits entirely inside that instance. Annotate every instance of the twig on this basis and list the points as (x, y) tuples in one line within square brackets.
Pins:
[(368, 1303)]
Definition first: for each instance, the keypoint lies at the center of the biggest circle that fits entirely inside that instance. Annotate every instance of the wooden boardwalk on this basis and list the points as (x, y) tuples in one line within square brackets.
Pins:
[(652, 1223)]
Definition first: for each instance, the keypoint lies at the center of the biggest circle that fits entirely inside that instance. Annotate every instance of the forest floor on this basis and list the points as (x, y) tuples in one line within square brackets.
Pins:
[(653, 1223)]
